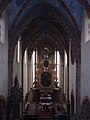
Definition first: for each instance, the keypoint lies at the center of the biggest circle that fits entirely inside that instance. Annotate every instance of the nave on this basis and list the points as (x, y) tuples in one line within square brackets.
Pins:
[(45, 53)]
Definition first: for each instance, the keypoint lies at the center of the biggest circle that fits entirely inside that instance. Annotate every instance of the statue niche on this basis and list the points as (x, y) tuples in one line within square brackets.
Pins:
[(46, 79)]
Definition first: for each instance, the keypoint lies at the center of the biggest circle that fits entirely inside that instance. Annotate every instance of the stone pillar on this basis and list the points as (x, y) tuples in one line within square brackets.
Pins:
[(22, 105), (62, 73), (10, 74), (78, 83), (63, 98), (68, 102), (67, 76), (10, 66)]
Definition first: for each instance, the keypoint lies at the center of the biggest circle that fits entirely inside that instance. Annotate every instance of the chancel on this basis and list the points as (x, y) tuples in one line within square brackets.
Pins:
[(46, 74)]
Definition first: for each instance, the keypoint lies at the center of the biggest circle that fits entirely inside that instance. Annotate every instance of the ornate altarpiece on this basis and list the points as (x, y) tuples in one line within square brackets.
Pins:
[(42, 70)]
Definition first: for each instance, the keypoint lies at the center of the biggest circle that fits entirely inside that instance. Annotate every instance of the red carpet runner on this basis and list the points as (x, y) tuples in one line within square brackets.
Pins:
[(45, 115)]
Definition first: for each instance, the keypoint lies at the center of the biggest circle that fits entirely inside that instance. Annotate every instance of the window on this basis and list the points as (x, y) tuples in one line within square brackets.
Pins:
[(34, 63), (2, 28), (58, 68), (18, 51), (33, 60), (57, 62), (18, 57), (25, 57), (88, 28)]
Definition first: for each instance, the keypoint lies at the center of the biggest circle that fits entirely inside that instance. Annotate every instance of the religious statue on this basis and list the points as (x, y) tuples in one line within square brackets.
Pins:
[(56, 83), (35, 83), (2, 107), (15, 98)]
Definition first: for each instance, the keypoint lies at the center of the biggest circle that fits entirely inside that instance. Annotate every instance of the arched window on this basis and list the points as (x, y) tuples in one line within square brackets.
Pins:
[(86, 27), (58, 68), (2, 28), (17, 51), (57, 62), (34, 62)]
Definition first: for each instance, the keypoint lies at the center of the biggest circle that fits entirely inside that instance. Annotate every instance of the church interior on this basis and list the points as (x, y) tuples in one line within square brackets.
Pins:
[(44, 59)]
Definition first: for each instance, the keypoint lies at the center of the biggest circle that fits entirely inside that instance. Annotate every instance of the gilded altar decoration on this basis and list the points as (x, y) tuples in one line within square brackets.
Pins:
[(45, 71)]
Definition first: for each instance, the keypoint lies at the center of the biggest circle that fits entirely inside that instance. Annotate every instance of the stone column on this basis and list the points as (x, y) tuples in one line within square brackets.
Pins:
[(62, 73), (62, 76), (10, 65), (22, 105), (68, 102), (78, 83)]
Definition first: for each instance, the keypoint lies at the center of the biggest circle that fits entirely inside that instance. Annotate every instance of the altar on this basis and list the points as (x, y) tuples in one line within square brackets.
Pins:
[(46, 79), (46, 97)]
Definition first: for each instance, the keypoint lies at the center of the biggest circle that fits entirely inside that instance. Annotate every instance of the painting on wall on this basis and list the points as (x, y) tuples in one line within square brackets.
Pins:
[(46, 79)]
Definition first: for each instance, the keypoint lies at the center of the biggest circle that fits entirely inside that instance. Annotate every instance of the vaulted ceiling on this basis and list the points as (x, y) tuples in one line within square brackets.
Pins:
[(36, 20)]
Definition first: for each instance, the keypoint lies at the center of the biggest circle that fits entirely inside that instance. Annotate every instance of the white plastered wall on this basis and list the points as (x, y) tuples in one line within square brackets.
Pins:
[(17, 66), (30, 73), (65, 73), (25, 73), (17, 70), (85, 58), (4, 62), (27, 70), (72, 78)]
